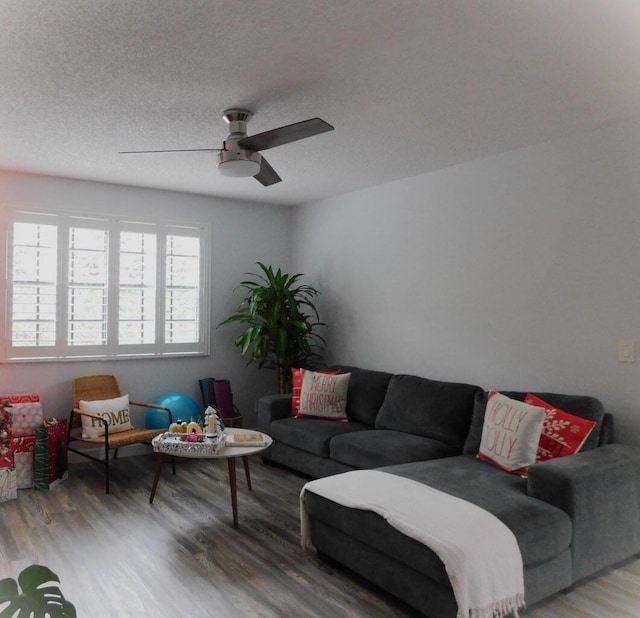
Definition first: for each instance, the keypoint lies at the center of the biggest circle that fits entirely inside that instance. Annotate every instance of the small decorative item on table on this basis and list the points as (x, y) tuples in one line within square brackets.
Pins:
[(245, 438), (186, 444), (212, 423)]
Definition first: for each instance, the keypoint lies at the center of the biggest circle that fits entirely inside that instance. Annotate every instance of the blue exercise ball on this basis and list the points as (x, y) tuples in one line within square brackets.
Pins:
[(183, 408)]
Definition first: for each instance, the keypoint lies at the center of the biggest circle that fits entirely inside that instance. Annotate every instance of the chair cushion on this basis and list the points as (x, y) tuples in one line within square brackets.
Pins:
[(430, 408), (125, 438), (385, 447), (310, 434)]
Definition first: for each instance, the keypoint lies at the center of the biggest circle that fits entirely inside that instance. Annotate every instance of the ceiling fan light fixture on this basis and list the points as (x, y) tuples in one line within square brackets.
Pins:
[(238, 163), (240, 168)]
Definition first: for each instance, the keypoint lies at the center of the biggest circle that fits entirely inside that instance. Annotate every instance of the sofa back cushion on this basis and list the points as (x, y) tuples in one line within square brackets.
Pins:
[(579, 405), (430, 408), (367, 390)]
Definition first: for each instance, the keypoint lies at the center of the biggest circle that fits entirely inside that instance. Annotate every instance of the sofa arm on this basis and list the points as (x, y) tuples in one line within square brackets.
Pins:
[(272, 408), (600, 491)]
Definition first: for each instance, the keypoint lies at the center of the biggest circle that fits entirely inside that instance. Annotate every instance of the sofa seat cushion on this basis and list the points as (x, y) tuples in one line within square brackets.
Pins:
[(366, 393), (310, 434), (579, 405), (429, 408), (542, 530), (385, 447)]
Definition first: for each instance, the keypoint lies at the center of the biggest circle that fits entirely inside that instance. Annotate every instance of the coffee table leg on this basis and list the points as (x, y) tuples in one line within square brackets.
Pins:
[(234, 489), (245, 461), (159, 463)]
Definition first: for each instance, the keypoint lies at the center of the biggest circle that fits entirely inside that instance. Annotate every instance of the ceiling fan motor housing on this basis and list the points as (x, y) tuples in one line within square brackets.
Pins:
[(235, 161), (237, 120)]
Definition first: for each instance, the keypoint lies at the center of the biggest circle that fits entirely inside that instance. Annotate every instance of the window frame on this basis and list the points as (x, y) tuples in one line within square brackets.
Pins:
[(114, 225)]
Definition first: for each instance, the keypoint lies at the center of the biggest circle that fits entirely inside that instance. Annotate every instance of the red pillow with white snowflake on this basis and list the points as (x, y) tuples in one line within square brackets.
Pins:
[(562, 433), (297, 376)]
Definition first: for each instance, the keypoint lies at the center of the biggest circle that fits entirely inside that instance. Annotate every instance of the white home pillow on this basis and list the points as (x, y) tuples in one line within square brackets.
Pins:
[(510, 433), (114, 411), (324, 396)]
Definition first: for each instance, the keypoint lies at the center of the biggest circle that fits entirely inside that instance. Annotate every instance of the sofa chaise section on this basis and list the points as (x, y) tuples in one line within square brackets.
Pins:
[(572, 517), (365, 543)]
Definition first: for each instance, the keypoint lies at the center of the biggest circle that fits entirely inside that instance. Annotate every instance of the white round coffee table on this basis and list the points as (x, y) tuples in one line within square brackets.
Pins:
[(230, 453)]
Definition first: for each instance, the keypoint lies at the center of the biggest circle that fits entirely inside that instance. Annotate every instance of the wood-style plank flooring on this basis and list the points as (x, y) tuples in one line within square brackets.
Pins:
[(118, 556)]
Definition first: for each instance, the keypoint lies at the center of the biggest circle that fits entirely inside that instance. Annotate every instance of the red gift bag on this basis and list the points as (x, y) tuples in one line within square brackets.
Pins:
[(50, 467)]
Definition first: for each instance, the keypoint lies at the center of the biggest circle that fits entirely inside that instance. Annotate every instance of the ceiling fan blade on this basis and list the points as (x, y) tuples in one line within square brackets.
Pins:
[(181, 150), (284, 135), (267, 175)]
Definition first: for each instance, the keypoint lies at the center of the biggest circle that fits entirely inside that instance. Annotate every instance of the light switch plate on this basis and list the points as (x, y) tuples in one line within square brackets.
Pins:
[(626, 351)]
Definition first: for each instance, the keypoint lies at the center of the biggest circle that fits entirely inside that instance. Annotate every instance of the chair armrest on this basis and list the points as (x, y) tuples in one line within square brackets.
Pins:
[(154, 406), (146, 404), (75, 426), (272, 408), (97, 417), (600, 491)]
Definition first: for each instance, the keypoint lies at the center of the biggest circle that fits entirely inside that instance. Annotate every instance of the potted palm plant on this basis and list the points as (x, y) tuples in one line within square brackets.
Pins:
[(281, 322)]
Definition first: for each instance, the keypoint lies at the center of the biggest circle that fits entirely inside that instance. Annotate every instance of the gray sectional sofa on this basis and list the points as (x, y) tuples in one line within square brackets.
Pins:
[(572, 516)]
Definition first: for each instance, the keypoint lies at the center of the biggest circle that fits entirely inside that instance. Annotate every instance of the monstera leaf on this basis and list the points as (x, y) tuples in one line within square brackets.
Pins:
[(40, 596)]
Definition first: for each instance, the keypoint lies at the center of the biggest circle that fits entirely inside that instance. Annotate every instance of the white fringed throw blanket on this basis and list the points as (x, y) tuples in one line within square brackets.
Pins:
[(480, 554)]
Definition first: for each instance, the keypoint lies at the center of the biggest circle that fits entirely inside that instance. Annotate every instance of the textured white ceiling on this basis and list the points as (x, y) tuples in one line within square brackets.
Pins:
[(411, 86)]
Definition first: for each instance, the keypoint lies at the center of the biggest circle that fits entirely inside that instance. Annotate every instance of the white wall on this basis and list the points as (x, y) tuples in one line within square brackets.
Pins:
[(242, 233), (519, 271)]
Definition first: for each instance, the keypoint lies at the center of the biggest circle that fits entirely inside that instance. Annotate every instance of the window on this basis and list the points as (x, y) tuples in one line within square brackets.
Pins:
[(97, 287)]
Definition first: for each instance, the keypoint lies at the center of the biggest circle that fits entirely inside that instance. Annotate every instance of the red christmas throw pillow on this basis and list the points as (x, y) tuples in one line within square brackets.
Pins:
[(297, 375), (562, 433)]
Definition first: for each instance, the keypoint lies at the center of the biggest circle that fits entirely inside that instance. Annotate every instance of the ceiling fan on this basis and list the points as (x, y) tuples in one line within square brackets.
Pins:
[(240, 156)]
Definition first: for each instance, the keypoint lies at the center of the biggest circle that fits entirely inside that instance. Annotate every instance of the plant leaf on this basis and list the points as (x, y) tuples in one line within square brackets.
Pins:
[(280, 321), (39, 597)]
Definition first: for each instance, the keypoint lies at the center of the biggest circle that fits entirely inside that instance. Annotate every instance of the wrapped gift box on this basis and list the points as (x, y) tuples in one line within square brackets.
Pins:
[(7, 459), (24, 449), (8, 488), (26, 412), (19, 453)]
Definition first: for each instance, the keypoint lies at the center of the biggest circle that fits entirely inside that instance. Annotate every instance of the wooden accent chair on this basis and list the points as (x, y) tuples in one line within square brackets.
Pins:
[(96, 388)]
